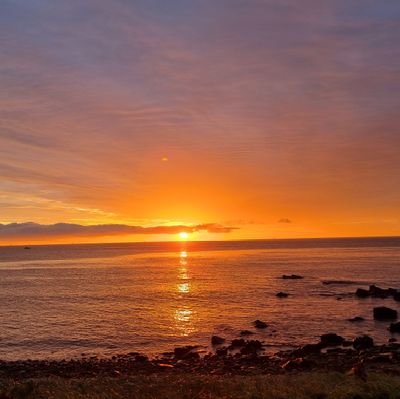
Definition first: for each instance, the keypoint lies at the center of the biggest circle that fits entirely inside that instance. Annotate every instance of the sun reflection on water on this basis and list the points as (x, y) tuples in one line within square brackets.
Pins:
[(184, 314), (183, 286)]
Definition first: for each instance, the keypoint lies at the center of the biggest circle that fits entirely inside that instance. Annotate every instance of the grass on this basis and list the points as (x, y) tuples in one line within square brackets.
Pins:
[(189, 386)]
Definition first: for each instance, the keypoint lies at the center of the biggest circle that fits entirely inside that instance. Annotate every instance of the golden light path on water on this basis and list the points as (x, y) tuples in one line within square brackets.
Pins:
[(184, 314)]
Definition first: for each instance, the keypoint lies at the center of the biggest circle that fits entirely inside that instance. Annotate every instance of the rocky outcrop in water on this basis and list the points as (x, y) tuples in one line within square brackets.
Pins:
[(331, 339), (384, 313), (215, 340), (377, 292), (260, 324), (282, 294)]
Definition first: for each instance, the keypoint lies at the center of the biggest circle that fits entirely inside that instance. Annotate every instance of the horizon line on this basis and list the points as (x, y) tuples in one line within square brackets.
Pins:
[(199, 241)]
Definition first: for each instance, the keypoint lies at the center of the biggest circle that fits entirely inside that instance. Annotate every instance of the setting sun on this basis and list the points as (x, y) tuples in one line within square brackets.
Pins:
[(183, 235)]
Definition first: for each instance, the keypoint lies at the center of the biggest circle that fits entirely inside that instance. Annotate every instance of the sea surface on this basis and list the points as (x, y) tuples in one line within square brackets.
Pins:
[(68, 300)]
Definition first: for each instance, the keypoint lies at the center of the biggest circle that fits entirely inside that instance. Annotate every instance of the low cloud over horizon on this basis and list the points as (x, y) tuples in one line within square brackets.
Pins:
[(31, 230)]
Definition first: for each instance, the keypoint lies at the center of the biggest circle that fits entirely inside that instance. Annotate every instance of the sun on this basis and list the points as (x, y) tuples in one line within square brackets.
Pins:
[(183, 235)]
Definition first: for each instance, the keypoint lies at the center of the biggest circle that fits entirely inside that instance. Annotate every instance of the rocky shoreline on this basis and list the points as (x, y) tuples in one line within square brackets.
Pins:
[(240, 357)]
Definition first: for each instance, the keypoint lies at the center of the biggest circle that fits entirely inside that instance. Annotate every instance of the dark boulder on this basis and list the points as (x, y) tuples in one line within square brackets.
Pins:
[(222, 352), (292, 277), (215, 340), (377, 292), (237, 343), (185, 352), (395, 327), (260, 324), (363, 342), (356, 319), (252, 347), (362, 293), (331, 339), (384, 313), (282, 295), (141, 358), (308, 349)]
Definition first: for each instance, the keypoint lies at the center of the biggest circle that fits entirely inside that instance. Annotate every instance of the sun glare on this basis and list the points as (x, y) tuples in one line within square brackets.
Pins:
[(183, 235)]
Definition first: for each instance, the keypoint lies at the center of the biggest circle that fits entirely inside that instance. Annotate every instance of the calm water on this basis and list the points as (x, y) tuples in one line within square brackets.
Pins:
[(62, 301)]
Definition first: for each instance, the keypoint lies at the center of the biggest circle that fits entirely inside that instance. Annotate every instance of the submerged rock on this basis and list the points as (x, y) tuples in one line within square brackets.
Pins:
[(331, 339), (292, 277), (282, 294), (363, 342), (260, 324), (384, 313), (356, 319)]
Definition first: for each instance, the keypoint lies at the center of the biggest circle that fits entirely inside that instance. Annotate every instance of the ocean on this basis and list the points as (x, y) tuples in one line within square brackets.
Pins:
[(63, 301)]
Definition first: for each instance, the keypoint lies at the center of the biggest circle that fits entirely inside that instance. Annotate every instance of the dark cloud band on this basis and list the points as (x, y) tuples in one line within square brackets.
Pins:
[(35, 230)]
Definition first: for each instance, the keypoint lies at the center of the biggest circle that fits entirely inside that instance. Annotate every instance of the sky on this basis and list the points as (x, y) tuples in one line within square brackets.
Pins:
[(231, 119)]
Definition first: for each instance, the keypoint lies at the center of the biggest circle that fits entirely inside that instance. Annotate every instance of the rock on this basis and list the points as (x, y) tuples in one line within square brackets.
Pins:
[(308, 349), (184, 352), (396, 296), (251, 347), (215, 340), (237, 343), (297, 364), (282, 295), (377, 292), (141, 358), (260, 324), (331, 339), (292, 277), (363, 342), (222, 352), (356, 319), (384, 313), (245, 333), (395, 327), (391, 340), (362, 293)]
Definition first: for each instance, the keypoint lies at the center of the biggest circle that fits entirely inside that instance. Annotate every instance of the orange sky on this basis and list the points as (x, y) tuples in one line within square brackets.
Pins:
[(278, 119)]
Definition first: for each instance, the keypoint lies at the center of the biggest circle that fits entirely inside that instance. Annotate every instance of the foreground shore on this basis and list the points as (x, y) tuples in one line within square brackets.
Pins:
[(331, 368), (181, 385)]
